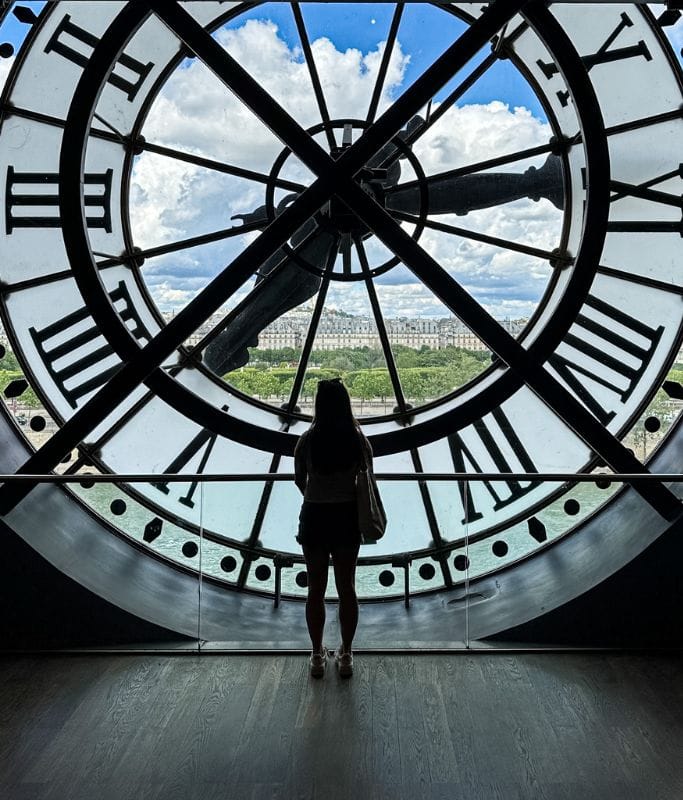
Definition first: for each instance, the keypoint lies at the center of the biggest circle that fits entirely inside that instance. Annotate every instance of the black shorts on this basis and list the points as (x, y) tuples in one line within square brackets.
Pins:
[(329, 526)]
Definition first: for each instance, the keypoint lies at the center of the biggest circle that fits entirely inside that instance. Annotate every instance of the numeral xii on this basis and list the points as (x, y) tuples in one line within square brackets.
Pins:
[(70, 41), (604, 55)]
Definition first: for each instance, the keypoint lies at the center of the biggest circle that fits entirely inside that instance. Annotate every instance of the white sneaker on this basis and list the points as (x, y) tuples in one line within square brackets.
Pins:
[(318, 663), (344, 662)]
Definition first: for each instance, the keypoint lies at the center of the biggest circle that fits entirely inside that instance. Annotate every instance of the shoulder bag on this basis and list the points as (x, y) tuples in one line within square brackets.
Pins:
[(372, 519)]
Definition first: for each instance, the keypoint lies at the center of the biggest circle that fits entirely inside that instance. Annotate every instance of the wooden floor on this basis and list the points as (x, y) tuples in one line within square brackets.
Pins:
[(435, 726)]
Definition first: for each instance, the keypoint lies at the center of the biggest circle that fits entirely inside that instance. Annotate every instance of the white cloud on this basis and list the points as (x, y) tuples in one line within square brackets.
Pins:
[(167, 296), (473, 133), (197, 113), (173, 200)]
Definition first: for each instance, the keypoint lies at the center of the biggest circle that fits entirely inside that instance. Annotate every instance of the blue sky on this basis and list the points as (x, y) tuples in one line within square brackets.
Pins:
[(14, 31), (363, 28), (369, 24)]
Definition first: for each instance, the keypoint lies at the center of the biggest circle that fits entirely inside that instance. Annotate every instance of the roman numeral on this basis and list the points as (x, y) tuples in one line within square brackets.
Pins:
[(644, 191), (604, 55), (23, 193), (609, 356), (76, 355), (204, 440), (69, 40), (491, 449)]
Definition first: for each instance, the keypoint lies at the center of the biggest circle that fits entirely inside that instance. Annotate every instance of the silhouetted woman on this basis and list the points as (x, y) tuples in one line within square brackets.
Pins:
[(326, 461)]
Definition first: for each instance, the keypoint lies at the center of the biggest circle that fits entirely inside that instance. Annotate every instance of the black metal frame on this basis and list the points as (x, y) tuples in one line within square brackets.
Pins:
[(530, 369), (334, 176), (251, 438)]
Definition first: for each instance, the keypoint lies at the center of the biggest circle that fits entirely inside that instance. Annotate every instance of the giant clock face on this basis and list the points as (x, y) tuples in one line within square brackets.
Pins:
[(340, 198)]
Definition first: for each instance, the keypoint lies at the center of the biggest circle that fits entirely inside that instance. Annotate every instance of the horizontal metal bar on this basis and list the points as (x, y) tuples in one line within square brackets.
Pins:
[(253, 477), (207, 648), (418, 2)]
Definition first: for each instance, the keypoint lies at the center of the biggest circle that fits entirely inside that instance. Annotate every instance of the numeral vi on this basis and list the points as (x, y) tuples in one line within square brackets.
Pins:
[(203, 442)]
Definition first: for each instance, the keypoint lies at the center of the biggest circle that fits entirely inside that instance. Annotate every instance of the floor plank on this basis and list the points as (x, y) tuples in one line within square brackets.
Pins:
[(466, 726)]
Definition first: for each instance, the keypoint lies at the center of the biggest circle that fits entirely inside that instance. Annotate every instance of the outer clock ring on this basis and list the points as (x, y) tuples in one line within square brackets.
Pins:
[(71, 161)]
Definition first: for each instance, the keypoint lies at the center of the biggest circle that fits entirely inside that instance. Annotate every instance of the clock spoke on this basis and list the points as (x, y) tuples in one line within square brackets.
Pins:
[(381, 327), (642, 280), (637, 124), (31, 283), (138, 256), (552, 256), (220, 166), (52, 121), (642, 122), (476, 74), (384, 65), (313, 73), (312, 332)]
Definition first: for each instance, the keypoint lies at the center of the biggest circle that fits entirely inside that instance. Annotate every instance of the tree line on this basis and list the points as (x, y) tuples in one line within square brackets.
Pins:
[(347, 359), (423, 373)]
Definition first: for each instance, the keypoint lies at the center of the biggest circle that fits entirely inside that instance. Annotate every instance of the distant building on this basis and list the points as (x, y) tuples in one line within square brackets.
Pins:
[(337, 330)]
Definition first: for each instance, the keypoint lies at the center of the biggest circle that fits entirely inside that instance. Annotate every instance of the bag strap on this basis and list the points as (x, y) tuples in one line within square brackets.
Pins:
[(364, 465)]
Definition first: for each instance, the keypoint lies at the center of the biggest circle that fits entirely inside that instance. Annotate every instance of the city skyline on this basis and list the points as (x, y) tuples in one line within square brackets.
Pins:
[(338, 330)]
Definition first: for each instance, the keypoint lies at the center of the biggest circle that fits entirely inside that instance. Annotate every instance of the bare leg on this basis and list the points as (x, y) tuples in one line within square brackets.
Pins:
[(344, 562), (317, 562)]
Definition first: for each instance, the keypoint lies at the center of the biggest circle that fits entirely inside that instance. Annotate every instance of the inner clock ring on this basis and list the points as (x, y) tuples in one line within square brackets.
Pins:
[(336, 218), (206, 414)]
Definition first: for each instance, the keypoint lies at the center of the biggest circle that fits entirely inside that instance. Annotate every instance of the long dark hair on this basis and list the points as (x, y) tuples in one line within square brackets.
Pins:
[(335, 435)]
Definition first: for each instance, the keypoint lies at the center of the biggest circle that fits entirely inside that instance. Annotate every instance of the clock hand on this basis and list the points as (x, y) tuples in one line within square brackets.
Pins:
[(288, 288), (259, 216), (450, 194), (391, 154)]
